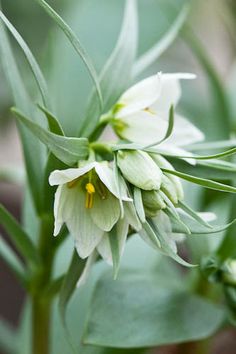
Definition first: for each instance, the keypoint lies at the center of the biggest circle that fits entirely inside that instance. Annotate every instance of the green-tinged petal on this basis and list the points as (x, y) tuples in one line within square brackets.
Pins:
[(64, 176), (105, 212), (140, 96), (131, 216), (168, 187), (104, 247), (143, 127), (139, 169), (78, 220), (106, 175)]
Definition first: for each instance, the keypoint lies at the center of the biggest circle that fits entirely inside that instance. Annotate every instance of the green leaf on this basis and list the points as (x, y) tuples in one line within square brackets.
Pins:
[(115, 250), (145, 314), (220, 144), (116, 74), (39, 78), (193, 214), (202, 181), (18, 236), (68, 150), (8, 341), (12, 260), (32, 150), (76, 44), (162, 45), (196, 157), (53, 122), (220, 170)]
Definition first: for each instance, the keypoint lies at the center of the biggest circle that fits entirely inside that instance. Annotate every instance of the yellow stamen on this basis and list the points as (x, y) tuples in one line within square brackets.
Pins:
[(89, 195)]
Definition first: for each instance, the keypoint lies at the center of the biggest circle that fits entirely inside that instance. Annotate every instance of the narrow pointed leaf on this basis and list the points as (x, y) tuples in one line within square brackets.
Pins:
[(76, 44), (39, 78), (53, 122), (160, 47), (193, 214), (68, 150), (18, 236), (113, 239), (8, 338), (12, 260), (203, 181), (116, 74)]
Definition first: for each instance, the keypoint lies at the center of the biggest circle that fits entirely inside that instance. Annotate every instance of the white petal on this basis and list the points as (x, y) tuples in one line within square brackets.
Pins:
[(140, 96), (80, 224), (87, 269), (184, 132), (58, 207), (104, 249), (105, 212), (144, 127), (170, 91), (64, 176)]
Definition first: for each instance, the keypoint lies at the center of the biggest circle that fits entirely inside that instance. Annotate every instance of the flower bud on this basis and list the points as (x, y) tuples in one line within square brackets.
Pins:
[(152, 202), (168, 187), (139, 169), (163, 163)]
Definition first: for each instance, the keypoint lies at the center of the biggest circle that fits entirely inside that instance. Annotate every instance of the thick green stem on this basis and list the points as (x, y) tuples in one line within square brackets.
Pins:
[(41, 327), (41, 304)]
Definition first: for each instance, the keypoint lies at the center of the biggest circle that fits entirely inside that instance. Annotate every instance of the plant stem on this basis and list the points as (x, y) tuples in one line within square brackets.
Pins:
[(199, 347), (41, 304), (41, 327)]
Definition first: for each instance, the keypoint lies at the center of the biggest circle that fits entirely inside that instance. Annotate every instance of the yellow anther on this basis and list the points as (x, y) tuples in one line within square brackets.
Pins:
[(90, 188), (89, 195), (148, 110)]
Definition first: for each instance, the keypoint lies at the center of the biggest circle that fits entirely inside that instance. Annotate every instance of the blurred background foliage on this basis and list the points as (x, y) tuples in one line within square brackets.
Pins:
[(208, 101)]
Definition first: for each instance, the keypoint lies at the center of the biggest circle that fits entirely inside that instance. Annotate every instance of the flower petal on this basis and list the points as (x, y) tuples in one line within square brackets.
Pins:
[(143, 127), (105, 212), (79, 222), (184, 132), (106, 175), (140, 96), (58, 208), (64, 176), (170, 91), (104, 247)]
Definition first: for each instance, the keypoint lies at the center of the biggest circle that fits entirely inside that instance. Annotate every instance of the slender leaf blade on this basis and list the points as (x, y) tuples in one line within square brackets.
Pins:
[(68, 150), (18, 236)]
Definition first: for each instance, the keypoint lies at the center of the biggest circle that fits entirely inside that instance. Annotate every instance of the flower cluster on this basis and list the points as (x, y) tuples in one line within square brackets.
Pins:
[(101, 202)]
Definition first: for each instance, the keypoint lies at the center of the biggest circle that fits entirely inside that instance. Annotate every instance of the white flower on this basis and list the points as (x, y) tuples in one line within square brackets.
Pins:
[(142, 112), (87, 201)]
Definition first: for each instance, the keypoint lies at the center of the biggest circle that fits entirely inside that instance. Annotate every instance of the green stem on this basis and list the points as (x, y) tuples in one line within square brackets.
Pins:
[(41, 327), (41, 304)]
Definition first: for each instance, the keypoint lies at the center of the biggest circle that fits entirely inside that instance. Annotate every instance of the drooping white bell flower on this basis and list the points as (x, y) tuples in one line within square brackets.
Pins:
[(87, 200), (142, 112)]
